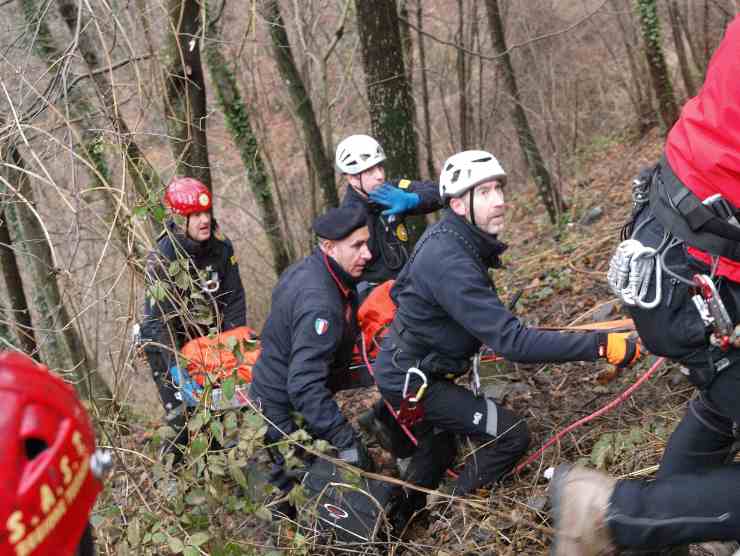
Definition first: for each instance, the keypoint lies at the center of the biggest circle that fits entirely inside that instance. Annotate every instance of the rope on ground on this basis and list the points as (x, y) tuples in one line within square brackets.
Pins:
[(608, 407)]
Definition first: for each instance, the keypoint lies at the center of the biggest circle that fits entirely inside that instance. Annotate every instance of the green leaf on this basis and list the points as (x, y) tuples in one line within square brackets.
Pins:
[(174, 268), (198, 446), (157, 291), (217, 430), (238, 475), (196, 423), (182, 280), (199, 538), (190, 551), (159, 213), (230, 421), (228, 386), (264, 514), (176, 545)]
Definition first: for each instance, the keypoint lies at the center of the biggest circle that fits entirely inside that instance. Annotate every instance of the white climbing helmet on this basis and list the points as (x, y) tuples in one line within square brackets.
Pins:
[(357, 153), (467, 169)]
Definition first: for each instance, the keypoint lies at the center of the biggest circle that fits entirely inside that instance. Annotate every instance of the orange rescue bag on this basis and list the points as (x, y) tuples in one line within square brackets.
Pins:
[(212, 357)]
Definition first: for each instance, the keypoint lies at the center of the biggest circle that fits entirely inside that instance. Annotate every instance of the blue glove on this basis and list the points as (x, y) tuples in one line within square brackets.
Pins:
[(189, 390), (398, 200)]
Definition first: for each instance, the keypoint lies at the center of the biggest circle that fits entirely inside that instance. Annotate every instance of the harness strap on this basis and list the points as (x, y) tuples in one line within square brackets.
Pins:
[(683, 215)]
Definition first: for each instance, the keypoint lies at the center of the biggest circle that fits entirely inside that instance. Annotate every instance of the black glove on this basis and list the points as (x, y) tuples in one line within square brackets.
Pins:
[(358, 456)]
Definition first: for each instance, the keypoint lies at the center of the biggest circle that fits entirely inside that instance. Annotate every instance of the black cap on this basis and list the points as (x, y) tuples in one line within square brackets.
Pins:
[(338, 223)]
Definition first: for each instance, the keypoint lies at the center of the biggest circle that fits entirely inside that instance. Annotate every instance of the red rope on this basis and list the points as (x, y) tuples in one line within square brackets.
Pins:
[(387, 403), (608, 407)]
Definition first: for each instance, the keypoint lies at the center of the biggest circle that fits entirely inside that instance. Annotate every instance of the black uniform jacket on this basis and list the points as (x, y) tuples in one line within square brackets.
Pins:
[(307, 345), (448, 304), (389, 243), (214, 281)]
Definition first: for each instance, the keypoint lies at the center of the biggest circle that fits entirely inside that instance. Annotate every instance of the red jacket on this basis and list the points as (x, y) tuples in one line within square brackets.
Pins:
[(703, 147)]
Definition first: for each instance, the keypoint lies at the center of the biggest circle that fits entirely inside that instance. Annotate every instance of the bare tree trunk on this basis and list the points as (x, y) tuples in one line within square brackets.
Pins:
[(425, 94), (636, 82), (238, 122), (406, 40), (692, 37), (58, 337), (79, 108), (683, 60), (185, 91), (462, 75), (302, 104), (7, 339), (389, 92), (650, 25), (18, 313), (548, 193), (145, 178)]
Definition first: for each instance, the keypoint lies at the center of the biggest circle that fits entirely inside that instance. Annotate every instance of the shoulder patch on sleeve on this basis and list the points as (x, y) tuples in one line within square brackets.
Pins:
[(404, 184)]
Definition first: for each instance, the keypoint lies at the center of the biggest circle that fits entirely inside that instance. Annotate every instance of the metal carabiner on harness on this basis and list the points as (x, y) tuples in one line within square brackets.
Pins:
[(411, 412), (630, 272), (475, 374)]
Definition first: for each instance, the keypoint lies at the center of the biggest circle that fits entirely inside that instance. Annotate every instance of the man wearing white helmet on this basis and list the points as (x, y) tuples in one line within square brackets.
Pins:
[(447, 308), (360, 158)]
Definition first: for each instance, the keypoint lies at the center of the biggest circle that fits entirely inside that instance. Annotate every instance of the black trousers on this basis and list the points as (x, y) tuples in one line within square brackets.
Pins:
[(696, 494), (451, 413)]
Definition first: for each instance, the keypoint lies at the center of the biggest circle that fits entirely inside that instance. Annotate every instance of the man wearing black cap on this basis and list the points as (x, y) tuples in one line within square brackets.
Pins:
[(308, 340)]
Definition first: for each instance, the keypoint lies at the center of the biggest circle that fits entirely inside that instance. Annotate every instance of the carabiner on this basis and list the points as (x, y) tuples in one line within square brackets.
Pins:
[(420, 392)]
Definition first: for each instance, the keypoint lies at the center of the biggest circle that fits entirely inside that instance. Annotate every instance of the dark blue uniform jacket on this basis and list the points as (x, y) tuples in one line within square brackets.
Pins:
[(448, 304), (307, 345), (389, 243), (172, 320)]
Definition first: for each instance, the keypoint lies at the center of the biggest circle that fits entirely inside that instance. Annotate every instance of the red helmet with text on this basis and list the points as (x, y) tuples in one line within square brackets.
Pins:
[(186, 196), (49, 467)]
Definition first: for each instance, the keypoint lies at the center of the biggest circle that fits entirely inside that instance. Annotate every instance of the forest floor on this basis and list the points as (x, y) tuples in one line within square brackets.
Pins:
[(562, 277)]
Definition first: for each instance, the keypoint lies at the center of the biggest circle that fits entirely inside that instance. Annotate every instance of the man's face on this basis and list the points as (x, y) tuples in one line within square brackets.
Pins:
[(488, 204), (199, 226), (351, 253), (367, 181)]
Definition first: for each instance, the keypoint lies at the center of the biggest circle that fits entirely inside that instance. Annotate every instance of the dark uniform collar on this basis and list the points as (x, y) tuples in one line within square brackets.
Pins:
[(488, 245), (344, 281), (352, 197), (191, 247)]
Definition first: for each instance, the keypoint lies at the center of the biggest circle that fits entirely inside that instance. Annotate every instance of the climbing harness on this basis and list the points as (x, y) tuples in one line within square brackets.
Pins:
[(634, 266)]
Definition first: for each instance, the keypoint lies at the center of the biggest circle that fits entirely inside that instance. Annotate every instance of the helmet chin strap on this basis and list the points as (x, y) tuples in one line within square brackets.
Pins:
[(362, 187), (471, 212)]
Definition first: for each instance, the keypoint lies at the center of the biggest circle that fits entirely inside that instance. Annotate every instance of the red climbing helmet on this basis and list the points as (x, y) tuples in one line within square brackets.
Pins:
[(186, 196), (48, 463)]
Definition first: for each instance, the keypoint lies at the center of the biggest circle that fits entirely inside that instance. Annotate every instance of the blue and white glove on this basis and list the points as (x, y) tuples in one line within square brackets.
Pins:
[(398, 201), (189, 391)]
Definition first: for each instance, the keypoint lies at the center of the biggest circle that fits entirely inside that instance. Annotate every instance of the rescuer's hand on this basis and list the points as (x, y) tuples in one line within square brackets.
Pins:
[(620, 348)]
